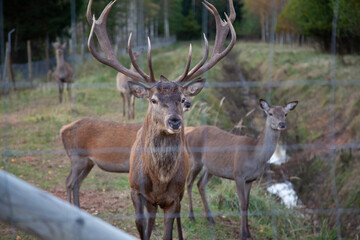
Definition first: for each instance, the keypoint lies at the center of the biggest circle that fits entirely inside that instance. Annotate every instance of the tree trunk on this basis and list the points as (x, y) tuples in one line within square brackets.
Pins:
[(262, 20), (131, 20), (73, 27), (166, 19), (140, 23), (47, 47), (29, 63)]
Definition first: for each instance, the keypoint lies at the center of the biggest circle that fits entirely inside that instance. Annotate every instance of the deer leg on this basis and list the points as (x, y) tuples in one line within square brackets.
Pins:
[(79, 181), (194, 171), (132, 97), (79, 166), (171, 212), (68, 186), (151, 209), (140, 220), (178, 222), (68, 87), (202, 183), (128, 106), (61, 90), (247, 195), (123, 100), (242, 191)]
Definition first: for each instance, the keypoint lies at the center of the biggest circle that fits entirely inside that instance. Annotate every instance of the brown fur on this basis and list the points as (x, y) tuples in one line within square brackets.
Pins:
[(85, 142), (159, 161), (238, 158), (90, 142)]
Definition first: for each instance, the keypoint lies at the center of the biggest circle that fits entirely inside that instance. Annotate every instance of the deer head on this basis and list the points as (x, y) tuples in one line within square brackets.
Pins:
[(59, 48), (165, 97), (166, 101), (276, 115)]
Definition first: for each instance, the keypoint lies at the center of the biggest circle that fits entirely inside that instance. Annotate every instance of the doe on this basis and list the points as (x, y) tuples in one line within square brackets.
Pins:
[(238, 158)]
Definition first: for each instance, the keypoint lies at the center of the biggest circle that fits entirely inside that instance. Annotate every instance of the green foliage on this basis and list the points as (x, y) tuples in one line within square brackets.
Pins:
[(249, 26), (190, 28), (314, 18)]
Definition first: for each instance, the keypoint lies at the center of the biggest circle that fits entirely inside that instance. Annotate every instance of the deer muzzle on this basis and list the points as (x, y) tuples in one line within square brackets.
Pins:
[(174, 123), (282, 125)]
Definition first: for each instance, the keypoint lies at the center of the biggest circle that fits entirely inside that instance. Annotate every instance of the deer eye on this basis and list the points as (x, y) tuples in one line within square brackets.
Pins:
[(183, 100), (285, 114), (270, 114), (153, 101)]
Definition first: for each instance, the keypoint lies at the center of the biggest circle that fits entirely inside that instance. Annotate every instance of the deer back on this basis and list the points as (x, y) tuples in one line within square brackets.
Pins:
[(103, 141)]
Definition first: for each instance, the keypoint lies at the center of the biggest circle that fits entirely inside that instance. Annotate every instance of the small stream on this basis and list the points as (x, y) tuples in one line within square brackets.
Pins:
[(284, 190)]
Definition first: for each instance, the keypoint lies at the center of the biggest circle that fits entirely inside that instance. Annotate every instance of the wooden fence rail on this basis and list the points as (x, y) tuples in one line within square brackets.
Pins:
[(48, 217)]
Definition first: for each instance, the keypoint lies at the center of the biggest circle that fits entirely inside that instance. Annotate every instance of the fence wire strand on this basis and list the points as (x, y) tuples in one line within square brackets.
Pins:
[(332, 148)]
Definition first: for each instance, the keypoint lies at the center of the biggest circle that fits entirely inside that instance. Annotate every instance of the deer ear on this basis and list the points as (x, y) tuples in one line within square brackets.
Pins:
[(264, 105), (139, 90), (193, 88), (291, 106), (55, 44)]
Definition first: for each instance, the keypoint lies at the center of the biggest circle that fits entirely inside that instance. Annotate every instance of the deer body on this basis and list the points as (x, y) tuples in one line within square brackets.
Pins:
[(238, 158), (122, 86), (159, 162), (63, 72), (90, 142)]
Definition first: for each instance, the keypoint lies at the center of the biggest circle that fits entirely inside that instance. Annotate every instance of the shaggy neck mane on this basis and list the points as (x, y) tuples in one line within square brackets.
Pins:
[(165, 151)]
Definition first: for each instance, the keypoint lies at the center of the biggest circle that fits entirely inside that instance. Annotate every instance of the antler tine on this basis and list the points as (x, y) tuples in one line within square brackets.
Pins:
[(199, 65), (221, 26), (133, 62), (222, 30), (184, 75), (203, 60), (99, 27), (89, 16), (233, 39), (232, 11), (152, 78)]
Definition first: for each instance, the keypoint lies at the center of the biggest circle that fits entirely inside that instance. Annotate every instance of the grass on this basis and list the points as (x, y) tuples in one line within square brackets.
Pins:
[(31, 120)]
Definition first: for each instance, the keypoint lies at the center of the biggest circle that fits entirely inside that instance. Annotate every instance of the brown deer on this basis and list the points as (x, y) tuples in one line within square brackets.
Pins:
[(63, 72), (229, 156), (122, 86), (159, 160), (89, 142)]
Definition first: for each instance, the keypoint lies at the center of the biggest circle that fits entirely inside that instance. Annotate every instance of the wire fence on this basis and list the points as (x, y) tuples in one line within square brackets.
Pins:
[(330, 146)]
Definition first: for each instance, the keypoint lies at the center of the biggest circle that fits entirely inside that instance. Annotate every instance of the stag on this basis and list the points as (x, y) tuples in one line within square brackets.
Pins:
[(89, 142), (63, 72), (158, 160), (229, 156), (122, 85)]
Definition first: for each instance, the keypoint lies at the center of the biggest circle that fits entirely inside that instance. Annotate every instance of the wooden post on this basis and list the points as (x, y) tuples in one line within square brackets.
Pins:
[(47, 47), (5, 87), (9, 69), (48, 217), (29, 62)]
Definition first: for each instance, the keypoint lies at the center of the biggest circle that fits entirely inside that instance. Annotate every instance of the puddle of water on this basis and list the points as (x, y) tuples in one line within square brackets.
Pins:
[(286, 192)]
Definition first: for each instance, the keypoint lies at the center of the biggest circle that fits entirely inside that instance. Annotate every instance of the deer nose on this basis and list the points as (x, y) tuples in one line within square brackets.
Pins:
[(174, 122), (282, 125), (187, 104)]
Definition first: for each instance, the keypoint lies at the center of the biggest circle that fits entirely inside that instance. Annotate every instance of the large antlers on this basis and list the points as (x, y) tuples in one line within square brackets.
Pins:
[(222, 30), (99, 27)]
